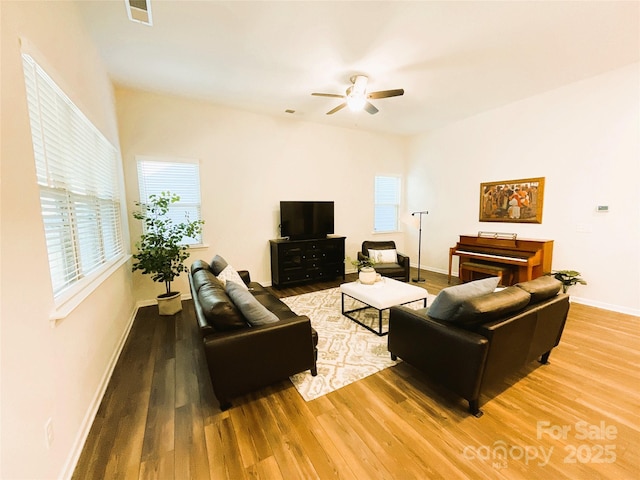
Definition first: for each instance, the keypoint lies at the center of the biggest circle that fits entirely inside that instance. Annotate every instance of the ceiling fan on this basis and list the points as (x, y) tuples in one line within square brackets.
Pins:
[(357, 97)]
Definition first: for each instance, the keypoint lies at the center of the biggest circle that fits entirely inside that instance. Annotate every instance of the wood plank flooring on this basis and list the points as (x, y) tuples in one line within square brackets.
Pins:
[(577, 418)]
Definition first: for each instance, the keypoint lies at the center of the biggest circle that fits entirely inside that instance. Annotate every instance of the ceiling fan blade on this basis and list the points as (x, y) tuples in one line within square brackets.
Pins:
[(370, 108), (339, 107), (386, 93), (332, 95)]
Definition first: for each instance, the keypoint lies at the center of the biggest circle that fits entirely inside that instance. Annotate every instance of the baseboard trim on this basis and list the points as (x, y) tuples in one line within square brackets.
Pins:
[(606, 306), (87, 422)]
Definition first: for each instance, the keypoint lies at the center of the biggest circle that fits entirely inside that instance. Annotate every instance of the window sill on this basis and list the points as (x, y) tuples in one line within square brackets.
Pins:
[(198, 246), (72, 299)]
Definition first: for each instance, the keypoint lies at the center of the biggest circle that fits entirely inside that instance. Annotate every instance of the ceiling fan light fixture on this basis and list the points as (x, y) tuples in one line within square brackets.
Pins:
[(357, 97), (356, 102)]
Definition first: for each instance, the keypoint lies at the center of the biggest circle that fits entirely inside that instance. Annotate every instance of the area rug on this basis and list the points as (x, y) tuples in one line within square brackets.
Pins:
[(346, 351)]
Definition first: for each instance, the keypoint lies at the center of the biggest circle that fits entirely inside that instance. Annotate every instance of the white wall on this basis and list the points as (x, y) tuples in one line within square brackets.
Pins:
[(584, 138), (249, 163), (48, 372)]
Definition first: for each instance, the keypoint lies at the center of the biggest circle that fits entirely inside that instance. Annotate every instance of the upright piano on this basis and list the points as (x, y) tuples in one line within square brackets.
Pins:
[(526, 258)]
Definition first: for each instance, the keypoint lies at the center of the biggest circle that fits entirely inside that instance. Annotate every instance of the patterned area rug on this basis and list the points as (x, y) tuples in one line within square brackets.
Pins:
[(346, 351)]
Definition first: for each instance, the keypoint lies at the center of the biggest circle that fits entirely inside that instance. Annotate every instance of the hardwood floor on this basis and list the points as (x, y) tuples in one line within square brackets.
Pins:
[(575, 418)]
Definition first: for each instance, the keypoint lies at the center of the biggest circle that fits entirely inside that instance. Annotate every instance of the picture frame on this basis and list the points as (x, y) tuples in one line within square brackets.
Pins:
[(512, 201)]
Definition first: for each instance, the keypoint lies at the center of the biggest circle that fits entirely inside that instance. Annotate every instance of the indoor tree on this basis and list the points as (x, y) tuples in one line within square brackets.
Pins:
[(162, 250)]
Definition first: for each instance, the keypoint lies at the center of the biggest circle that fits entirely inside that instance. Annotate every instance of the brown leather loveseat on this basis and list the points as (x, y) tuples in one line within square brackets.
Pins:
[(251, 338), (479, 340)]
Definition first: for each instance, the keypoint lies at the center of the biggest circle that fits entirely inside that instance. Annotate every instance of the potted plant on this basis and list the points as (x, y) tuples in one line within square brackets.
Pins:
[(568, 278), (161, 248), (366, 272)]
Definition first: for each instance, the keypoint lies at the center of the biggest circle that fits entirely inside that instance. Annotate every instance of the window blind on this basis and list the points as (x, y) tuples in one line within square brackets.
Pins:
[(78, 177), (178, 177), (387, 203)]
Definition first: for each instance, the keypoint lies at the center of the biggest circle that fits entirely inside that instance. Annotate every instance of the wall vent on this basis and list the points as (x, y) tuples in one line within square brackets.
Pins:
[(139, 11)]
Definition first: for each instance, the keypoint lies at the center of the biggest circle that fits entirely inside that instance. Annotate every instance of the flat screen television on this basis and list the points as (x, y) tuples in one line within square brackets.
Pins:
[(305, 220)]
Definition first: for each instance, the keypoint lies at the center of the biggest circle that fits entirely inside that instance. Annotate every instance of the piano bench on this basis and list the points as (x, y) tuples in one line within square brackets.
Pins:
[(503, 273)]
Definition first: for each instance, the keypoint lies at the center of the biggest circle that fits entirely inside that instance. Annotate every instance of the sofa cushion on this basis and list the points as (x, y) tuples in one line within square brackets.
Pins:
[(218, 308), (218, 264), (199, 265), (255, 313), (450, 298), (202, 277), (231, 274), (541, 288), (491, 306)]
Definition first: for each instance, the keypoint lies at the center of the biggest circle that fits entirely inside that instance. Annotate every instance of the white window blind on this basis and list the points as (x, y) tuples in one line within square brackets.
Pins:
[(178, 177), (387, 203), (77, 172)]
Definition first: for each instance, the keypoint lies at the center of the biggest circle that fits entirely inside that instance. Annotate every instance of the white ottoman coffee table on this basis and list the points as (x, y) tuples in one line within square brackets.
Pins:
[(382, 295)]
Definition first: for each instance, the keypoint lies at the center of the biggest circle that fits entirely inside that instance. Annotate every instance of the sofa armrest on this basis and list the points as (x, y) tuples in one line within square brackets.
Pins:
[(450, 355), (247, 359), (403, 260), (245, 276)]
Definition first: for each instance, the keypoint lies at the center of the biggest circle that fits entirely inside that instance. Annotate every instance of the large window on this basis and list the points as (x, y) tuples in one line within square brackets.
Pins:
[(181, 177), (78, 175), (387, 203)]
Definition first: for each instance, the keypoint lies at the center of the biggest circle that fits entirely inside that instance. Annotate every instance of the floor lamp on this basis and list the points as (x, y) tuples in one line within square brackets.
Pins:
[(419, 280)]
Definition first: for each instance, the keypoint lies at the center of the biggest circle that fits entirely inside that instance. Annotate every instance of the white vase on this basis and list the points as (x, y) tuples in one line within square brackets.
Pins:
[(169, 304), (367, 275)]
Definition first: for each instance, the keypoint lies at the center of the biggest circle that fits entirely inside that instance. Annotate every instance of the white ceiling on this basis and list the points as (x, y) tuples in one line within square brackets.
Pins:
[(453, 58)]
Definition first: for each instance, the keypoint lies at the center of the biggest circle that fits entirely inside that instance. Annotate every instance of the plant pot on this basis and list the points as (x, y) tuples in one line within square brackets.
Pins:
[(367, 275), (169, 303)]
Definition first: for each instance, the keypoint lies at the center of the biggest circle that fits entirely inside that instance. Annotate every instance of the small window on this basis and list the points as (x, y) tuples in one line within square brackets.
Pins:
[(387, 203), (180, 177)]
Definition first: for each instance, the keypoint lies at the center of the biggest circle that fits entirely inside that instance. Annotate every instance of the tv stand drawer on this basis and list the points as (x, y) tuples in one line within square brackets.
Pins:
[(314, 259)]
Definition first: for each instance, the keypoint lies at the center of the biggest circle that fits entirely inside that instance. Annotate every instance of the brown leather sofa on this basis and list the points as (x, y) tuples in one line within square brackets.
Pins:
[(398, 270), (485, 339), (243, 357)]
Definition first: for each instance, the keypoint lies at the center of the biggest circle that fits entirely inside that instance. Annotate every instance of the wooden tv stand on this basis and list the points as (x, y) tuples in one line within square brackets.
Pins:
[(299, 261)]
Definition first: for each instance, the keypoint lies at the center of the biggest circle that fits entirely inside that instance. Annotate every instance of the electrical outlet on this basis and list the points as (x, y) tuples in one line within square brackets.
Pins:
[(48, 430)]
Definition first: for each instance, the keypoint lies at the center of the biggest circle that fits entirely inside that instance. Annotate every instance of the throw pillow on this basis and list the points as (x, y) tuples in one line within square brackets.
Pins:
[(231, 274), (218, 264), (389, 255), (450, 298), (255, 313)]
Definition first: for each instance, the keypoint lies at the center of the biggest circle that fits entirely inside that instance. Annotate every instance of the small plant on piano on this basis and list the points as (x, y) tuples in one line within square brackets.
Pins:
[(568, 278)]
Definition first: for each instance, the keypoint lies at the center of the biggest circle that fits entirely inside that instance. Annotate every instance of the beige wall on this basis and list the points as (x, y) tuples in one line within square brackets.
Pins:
[(584, 138), (248, 164), (48, 371)]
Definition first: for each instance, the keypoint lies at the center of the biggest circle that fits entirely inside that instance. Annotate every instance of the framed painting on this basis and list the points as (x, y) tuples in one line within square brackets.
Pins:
[(512, 201)]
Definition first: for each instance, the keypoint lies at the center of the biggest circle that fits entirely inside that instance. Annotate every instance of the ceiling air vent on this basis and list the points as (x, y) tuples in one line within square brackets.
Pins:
[(139, 11)]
